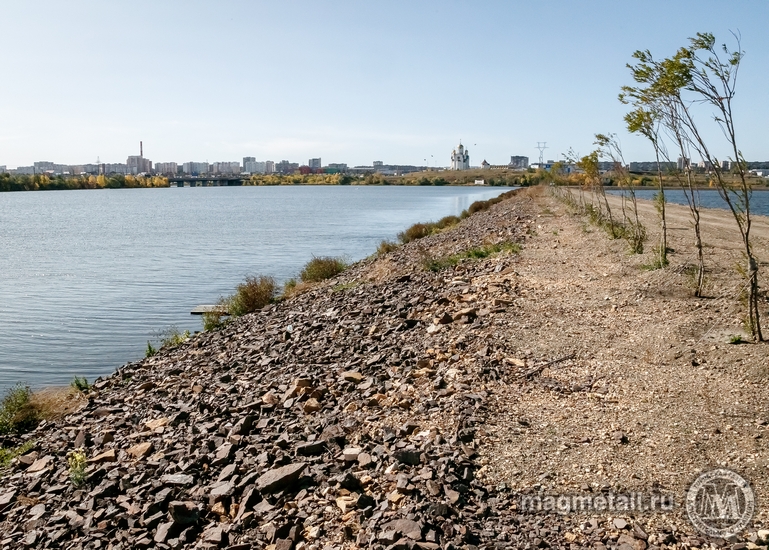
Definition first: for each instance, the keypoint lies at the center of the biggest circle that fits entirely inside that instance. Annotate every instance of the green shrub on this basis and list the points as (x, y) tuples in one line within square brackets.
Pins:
[(289, 286), (151, 350), (447, 221), (212, 320), (172, 336), (478, 206), (478, 253), (251, 295), (8, 454), (416, 231), (80, 383), (385, 247), (320, 269), (17, 414), (77, 464)]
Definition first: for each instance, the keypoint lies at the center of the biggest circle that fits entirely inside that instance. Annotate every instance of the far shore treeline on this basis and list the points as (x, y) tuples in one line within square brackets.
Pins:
[(500, 178), (44, 182)]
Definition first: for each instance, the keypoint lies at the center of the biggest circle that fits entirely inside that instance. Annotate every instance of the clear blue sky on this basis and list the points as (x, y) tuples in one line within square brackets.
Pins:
[(349, 81)]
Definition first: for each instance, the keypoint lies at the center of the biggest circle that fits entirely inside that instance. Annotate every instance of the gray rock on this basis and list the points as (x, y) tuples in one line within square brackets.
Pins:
[(280, 478)]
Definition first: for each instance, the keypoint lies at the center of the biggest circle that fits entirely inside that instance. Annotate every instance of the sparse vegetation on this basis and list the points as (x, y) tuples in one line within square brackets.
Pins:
[(345, 286), (8, 454), (77, 464), (322, 268), (80, 383), (736, 339), (478, 253), (385, 247), (415, 232), (251, 295), (212, 320), (151, 350), (17, 414)]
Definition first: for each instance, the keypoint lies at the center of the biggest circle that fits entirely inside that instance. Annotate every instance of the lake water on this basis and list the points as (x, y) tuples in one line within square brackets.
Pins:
[(709, 198), (88, 277)]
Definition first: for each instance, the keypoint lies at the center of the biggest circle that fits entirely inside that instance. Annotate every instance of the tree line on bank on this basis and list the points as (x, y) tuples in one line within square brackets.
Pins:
[(672, 102), (44, 182)]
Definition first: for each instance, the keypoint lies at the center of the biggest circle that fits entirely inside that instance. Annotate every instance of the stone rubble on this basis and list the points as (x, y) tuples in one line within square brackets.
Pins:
[(350, 416)]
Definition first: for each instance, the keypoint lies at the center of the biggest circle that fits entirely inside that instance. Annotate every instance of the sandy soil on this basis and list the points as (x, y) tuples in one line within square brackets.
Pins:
[(656, 394)]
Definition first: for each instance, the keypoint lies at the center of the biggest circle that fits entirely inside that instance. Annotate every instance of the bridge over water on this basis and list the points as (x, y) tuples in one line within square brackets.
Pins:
[(207, 181)]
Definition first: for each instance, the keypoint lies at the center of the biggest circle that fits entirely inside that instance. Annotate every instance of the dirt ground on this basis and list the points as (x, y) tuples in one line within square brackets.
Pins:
[(655, 393)]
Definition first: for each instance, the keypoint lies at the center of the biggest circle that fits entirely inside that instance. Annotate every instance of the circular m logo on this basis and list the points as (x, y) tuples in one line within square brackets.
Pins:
[(720, 503)]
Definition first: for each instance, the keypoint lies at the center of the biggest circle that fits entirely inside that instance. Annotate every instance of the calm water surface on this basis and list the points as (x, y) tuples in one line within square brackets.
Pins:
[(709, 198), (89, 276)]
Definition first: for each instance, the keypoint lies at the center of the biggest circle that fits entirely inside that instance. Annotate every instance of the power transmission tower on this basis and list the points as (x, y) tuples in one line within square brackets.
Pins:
[(541, 145)]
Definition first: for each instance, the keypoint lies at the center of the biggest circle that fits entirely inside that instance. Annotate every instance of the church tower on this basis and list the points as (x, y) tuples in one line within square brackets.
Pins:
[(460, 158)]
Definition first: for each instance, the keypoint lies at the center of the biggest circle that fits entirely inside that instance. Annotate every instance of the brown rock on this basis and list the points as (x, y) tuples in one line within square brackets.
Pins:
[(352, 376), (157, 423), (279, 478), (406, 527), (183, 513), (444, 319), (141, 450), (40, 464), (106, 456)]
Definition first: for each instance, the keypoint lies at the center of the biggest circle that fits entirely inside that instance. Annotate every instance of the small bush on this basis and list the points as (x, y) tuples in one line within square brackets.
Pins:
[(415, 232), (151, 350), (212, 320), (386, 247), (447, 221), (17, 414), (80, 383), (320, 269), (251, 295), (8, 454), (289, 286), (736, 339), (77, 464), (478, 253), (172, 336), (478, 206)]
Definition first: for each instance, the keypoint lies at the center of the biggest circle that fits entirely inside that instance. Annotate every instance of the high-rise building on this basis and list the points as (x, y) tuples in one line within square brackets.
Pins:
[(285, 167), (116, 168), (226, 168), (167, 168), (682, 163), (377, 164), (195, 168), (269, 167), (315, 164), (519, 162), (253, 166), (246, 160), (138, 165), (3, 169)]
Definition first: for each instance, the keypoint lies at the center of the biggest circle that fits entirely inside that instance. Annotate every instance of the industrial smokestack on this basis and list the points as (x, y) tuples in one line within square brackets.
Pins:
[(141, 150)]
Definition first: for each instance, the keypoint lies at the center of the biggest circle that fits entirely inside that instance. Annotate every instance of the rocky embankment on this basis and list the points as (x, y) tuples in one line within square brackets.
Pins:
[(346, 416), (396, 407)]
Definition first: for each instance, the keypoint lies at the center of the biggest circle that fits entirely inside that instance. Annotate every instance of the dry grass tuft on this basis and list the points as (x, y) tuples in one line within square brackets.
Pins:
[(57, 402)]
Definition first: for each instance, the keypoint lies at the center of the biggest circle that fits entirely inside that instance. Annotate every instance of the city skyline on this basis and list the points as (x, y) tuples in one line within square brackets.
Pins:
[(345, 80)]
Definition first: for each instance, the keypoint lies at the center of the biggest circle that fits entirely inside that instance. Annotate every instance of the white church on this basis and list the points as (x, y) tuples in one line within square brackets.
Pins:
[(460, 158)]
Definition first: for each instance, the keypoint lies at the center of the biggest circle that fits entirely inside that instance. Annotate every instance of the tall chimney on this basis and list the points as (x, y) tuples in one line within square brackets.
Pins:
[(141, 150)]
